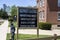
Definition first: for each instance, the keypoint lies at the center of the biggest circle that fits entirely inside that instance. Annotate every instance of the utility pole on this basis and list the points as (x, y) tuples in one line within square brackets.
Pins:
[(38, 3)]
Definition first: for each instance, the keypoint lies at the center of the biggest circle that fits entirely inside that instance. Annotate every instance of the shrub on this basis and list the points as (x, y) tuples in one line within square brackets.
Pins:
[(10, 19), (45, 26)]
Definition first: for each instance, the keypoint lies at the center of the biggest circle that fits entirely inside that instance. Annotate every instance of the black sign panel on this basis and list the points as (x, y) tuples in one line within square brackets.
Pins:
[(27, 17)]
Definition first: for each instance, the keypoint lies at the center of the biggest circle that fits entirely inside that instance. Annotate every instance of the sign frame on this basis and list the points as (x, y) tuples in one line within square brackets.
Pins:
[(19, 18), (26, 27)]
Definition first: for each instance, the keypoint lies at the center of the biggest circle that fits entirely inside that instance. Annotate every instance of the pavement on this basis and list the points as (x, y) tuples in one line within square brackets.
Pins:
[(3, 30), (1, 20), (41, 32)]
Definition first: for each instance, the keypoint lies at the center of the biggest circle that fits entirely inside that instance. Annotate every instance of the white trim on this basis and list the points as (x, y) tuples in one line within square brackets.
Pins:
[(58, 3), (58, 19), (58, 16), (58, 12), (41, 15), (42, 3)]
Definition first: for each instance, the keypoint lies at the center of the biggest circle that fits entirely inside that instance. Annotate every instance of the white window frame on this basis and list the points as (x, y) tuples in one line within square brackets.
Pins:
[(42, 3), (41, 15), (58, 3), (58, 15)]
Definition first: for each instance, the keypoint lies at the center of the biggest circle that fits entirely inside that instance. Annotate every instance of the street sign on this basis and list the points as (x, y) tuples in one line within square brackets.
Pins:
[(27, 17)]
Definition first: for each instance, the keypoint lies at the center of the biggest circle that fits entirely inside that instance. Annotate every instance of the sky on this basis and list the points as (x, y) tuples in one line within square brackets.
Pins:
[(18, 2)]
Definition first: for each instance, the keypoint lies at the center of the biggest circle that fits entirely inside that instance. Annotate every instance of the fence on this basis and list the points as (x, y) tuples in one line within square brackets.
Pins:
[(55, 37)]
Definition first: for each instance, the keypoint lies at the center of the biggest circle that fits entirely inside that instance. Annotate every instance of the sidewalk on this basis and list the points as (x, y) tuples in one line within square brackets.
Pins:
[(34, 31), (41, 32), (3, 30)]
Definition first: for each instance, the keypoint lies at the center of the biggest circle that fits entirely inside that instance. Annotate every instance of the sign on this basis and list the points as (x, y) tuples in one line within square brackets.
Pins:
[(27, 17)]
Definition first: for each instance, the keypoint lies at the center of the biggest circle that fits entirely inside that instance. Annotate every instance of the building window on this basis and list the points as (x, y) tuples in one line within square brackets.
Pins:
[(41, 3), (58, 15), (58, 3), (58, 25), (41, 15)]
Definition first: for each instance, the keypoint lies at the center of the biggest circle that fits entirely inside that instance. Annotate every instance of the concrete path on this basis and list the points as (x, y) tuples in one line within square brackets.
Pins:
[(34, 31), (41, 32), (3, 30), (1, 20)]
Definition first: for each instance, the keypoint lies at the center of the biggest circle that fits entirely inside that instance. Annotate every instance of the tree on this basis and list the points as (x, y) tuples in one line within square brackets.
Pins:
[(3, 14), (13, 10)]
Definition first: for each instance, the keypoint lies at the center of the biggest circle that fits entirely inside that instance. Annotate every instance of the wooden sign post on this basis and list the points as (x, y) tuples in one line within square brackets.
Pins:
[(38, 5)]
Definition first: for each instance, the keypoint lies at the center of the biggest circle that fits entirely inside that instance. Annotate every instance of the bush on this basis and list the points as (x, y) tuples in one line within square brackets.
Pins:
[(45, 26), (10, 19)]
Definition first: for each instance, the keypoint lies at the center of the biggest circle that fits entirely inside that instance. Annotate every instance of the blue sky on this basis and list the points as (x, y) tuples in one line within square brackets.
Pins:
[(18, 2)]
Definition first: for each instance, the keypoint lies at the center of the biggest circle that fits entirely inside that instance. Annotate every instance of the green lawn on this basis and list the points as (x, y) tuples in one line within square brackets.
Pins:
[(15, 24), (25, 36), (59, 38), (1, 22)]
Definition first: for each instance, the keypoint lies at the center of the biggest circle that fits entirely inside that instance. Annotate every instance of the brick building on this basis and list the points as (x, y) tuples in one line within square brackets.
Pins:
[(49, 11)]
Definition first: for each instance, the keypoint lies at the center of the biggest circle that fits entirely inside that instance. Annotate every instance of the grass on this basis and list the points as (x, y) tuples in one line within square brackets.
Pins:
[(25, 36), (1, 22), (15, 24), (59, 38)]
